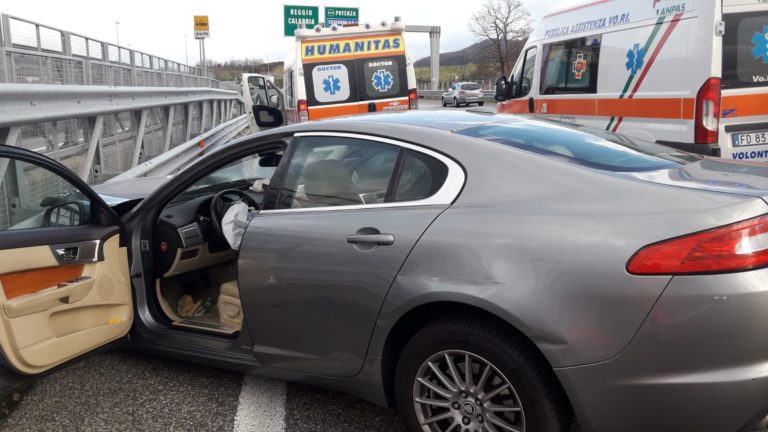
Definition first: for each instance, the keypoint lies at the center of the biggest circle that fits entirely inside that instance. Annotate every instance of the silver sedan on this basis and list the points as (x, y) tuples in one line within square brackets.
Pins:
[(478, 272)]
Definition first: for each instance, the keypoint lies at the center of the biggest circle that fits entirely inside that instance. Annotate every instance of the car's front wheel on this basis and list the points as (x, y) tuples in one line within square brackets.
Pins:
[(480, 103), (464, 376)]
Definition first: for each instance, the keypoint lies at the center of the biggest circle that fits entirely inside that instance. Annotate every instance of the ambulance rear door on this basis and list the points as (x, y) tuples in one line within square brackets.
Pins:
[(353, 75), (744, 102)]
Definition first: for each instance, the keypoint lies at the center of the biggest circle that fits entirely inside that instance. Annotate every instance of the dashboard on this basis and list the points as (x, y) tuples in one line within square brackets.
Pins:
[(185, 240)]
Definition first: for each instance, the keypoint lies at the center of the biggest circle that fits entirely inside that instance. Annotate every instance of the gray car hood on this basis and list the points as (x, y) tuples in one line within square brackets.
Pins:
[(118, 191), (717, 175)]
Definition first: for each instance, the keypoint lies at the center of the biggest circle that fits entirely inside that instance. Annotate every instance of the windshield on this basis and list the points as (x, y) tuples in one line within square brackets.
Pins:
[(582, 146), (745, 50), (245, 172)]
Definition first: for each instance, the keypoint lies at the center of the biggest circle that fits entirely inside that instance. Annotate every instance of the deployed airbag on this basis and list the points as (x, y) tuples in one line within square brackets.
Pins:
[(234, 222)]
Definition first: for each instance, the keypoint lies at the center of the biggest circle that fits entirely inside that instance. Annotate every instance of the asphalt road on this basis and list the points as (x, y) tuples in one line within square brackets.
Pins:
[(125, 391), (434, 104)]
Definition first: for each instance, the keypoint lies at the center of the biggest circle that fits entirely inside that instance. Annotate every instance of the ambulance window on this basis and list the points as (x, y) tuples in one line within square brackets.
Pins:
[(288, 83), (745, 50), (522, 76), (258, 89), (330, 82), (382, 78), (570, 67)]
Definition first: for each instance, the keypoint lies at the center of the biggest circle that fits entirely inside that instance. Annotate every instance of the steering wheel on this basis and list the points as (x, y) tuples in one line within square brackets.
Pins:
[(219, 205)]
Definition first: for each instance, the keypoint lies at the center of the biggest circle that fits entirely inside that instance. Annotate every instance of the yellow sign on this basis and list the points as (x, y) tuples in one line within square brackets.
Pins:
[(201, 22), (342, 49)]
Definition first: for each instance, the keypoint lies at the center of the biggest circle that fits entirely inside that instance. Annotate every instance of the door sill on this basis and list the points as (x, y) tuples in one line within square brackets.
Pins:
[(206, 327)]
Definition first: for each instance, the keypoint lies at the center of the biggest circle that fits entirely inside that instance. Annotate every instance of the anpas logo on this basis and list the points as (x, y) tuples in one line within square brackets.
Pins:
[(760, 40), (668, 7)]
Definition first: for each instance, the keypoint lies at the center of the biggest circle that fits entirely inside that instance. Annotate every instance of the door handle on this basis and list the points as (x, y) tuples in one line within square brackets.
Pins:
[(375, 239), (67, 254)]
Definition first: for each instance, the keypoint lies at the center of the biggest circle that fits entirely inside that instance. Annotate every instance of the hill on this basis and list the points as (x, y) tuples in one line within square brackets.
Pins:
[(476, 53)]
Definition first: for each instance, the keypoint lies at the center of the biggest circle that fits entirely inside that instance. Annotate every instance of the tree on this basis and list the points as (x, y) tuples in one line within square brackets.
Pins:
[(502, 23)]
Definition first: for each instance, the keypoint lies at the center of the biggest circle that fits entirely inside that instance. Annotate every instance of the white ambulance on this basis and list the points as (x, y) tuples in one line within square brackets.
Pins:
[(336, 71), (692, 74)]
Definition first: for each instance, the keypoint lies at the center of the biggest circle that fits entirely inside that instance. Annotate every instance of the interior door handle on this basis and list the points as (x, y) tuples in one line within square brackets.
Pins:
[(67, 254), (375, 239)]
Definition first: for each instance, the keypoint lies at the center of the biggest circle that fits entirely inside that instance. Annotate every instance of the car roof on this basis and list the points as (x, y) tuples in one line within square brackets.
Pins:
[(437, 119)]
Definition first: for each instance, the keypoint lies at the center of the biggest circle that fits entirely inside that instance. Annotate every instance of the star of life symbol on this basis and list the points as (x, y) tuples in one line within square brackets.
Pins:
[(331, 85), (382, 80), (760, 40), (635, 59), (579, 66)]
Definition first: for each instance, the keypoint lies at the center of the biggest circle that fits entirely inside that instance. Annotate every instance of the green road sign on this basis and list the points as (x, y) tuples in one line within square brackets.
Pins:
[(341, 15), (295, 15)]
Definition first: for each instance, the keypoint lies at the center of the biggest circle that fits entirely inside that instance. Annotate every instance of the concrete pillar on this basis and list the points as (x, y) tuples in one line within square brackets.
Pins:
[(434, 60)]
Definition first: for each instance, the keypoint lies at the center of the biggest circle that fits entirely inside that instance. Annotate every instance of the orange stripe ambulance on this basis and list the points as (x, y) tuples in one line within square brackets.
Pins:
[(692, 74), (336, 71)]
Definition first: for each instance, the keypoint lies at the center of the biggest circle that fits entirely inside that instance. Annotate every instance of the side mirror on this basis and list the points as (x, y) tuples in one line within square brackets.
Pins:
[(267, 117), (502, 89), (65, 214), (274, 101)]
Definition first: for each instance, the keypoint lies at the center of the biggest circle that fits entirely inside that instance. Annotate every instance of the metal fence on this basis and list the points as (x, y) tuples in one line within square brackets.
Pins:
[(33, 53), (443, 85), (100, 132)]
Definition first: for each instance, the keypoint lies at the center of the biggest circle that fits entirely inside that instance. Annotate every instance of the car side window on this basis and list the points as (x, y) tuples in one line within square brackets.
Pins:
[(420, 178), (34, 197), (337, 171)]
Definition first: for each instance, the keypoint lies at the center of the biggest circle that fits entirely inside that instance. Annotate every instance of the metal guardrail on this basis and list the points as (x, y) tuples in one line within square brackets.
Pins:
[(182, 155), (101, 132), (34, 53), (438, 93)]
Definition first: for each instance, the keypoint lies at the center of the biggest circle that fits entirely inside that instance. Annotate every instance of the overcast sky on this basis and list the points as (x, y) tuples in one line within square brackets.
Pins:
[(243, 28)]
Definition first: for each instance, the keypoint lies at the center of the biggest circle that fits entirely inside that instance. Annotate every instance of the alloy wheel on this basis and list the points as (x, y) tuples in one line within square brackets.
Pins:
[(458, 391)]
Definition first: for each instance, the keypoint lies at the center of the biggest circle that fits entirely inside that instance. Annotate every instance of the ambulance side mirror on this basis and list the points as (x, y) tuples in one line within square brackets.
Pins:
[(267, 117), (502, 89)]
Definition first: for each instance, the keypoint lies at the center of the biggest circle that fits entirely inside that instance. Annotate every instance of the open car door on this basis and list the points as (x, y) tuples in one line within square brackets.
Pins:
[(64, 285)]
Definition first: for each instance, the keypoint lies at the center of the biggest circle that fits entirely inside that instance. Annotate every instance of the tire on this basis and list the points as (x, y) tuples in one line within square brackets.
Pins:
[(480, 103), (455, 102), (444, 103), (532, 387)]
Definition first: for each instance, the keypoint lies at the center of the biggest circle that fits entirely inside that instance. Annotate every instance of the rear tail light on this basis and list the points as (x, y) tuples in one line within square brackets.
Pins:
[(708, 112), (413, 99), (303, 109), (461, 92), (736, 247)]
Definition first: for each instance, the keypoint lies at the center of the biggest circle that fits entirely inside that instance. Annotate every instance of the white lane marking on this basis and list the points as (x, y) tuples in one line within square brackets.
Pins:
[(262, 405)]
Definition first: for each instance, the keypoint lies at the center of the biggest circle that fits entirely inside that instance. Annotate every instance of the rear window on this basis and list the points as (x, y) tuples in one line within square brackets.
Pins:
[(382, 78), (472, 86), (582, 146), (745, 50), (329, 83)]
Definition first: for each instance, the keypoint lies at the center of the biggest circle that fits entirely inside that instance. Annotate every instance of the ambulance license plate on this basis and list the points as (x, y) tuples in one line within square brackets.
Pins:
[(750, 138)]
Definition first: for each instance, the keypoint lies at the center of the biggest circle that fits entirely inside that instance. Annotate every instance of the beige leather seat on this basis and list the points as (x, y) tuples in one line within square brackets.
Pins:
[(230, 310)]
